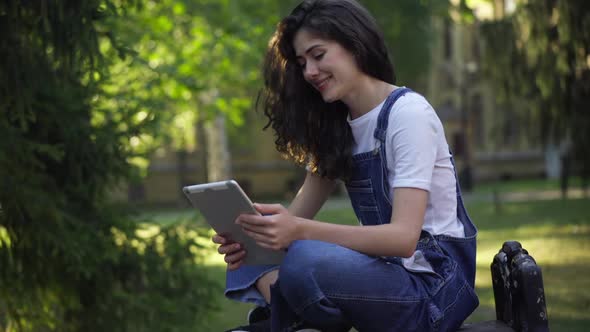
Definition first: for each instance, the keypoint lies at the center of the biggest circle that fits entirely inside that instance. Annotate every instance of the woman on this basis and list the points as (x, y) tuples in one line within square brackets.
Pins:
[(331, 100)]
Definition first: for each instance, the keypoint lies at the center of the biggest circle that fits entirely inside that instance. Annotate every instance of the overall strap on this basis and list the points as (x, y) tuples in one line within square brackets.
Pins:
[(458, 188), (470, 229), (383, 119)]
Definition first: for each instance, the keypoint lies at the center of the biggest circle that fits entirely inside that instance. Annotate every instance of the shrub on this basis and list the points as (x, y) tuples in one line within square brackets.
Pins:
[(68, 261)]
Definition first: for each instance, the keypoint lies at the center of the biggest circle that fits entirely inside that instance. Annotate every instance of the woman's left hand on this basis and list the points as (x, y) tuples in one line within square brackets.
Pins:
[(275, 229)]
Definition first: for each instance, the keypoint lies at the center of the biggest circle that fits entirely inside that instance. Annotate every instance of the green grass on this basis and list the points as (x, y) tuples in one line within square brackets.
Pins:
[(555, 232), (525, 185)]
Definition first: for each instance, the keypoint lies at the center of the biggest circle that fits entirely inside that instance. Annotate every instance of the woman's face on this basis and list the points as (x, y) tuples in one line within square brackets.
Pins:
[(327, 66)]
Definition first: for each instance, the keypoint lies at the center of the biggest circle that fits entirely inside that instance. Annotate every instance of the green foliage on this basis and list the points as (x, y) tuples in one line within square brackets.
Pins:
[(540, 55), (202, 58), (408, 30), (69, 262), (191, 60)]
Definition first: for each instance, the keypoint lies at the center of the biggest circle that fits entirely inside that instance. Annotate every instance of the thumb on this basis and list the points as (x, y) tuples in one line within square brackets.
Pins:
[(265, 209)]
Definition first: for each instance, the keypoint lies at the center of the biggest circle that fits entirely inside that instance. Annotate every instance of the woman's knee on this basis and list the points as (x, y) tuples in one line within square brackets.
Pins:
[(306, 255), (307, 262)]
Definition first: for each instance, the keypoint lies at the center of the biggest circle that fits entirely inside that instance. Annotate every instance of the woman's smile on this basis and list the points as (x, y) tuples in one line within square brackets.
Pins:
[(322, 85)]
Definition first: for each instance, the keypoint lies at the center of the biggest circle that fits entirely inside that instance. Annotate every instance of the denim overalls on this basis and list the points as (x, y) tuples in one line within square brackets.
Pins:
[(334, 288)]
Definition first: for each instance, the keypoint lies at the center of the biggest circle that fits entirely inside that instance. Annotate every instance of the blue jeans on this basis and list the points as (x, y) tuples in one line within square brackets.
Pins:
[(334, 288)]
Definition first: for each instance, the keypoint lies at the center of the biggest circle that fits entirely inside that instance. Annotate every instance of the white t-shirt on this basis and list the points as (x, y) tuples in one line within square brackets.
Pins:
[(417, 157)]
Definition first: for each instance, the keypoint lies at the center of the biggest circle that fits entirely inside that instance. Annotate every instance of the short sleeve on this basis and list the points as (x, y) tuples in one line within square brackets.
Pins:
[(412, 140)]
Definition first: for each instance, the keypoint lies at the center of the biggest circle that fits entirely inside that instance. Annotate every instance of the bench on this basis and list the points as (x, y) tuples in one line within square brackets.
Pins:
[(518, 293)]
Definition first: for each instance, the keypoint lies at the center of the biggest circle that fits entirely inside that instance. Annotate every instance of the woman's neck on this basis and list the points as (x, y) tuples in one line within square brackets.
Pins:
[(369, 93)]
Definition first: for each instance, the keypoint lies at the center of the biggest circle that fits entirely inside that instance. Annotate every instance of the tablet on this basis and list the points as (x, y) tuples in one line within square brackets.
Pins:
[(221, 203)]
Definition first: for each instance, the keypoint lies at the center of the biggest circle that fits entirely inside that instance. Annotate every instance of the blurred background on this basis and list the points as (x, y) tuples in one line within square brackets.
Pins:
[(109, 107)]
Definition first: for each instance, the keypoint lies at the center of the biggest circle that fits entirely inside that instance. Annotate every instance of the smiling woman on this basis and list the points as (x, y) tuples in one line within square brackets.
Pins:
[(331, 99), (326, 65), (353, 34)]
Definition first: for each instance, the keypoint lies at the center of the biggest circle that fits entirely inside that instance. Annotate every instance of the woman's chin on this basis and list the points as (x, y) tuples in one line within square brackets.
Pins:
[(329, 98)]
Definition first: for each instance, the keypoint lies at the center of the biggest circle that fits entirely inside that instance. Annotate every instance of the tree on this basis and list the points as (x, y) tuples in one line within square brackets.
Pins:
[(69, 261), (194, 64), (408, 30), (540, 54)]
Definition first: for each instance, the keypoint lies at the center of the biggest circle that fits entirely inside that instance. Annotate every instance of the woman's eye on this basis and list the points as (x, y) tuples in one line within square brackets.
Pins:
[(319, 56)]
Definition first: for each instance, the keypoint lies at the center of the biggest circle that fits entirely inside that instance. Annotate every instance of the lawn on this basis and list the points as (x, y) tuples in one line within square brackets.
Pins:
[(525, 185), (555, 232)]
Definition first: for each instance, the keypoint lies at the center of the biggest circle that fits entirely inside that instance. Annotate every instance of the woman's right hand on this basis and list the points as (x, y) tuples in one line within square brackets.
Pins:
[(233, 251)]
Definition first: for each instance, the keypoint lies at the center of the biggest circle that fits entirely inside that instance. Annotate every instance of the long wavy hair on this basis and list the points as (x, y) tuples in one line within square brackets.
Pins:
[(307, 129)]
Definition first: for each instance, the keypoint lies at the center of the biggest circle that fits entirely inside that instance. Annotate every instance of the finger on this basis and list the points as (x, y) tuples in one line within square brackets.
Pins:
[(252, 219), (218, 239), (221, 239), (234, 266), (259, 237), (235, 257), (264, 245), (273, 246), (269, 208), (262, 230), (229, 248)]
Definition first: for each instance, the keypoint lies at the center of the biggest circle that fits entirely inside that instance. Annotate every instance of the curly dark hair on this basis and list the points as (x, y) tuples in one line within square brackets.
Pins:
[(307, 129)]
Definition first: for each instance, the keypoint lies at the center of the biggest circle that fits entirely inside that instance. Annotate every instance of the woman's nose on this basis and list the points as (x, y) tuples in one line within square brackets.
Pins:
[(311, 70)]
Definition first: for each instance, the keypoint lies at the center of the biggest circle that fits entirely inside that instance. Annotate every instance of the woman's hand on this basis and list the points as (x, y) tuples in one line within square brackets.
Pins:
[(275, 229), (233, 251)]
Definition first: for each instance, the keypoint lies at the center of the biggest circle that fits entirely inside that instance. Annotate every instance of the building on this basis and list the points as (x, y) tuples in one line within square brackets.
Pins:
[(488, 140)]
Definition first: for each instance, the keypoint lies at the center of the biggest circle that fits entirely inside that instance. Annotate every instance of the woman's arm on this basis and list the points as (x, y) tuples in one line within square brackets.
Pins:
[(398, 238), (311, 196)]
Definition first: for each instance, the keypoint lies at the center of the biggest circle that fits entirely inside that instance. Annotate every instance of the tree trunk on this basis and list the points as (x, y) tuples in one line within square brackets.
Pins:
[(182, 171), (218, 156), (565, 175), (499, 9)]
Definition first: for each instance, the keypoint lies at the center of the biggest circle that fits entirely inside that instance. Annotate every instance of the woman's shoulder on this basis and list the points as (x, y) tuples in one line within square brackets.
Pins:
[(412, 99), (412, 106)]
